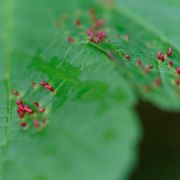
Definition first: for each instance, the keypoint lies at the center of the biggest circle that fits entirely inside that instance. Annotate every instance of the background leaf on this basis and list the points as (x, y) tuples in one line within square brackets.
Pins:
[(160, 17)]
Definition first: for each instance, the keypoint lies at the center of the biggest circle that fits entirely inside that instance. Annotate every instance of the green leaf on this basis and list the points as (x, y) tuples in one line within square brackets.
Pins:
[(143, 43), (92, 131), (154, 33)]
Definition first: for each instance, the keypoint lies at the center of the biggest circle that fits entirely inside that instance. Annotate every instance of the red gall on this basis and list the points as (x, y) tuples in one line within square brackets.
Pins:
[(44, 120), (78, 22), (47, 86), (33, 84), (100, 36), (177, 81), (169, 52), (20, 113), (157, 82), (90, 33), (36, 123), (139, 62), (41, 109), (71, 39), (160, 56), (15, 92), (99, 23), (43, 83), (20, 105), (171, 63), (127, 56), (147, 88), (28, 110), (92, 11), (178, 70), (36, 104), (23, 124)]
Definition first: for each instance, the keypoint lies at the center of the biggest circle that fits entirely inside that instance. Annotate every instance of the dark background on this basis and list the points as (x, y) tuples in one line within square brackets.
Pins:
[(160, 147)]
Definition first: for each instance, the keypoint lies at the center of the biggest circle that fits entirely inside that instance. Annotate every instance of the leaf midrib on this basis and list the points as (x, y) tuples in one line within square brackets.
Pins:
[(7, 38)]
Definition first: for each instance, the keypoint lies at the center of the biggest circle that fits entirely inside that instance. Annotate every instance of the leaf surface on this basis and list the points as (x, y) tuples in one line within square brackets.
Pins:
[(92, 131)]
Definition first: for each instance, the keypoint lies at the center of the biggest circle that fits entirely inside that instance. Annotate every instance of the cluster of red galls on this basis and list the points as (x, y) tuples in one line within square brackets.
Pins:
[(36, 109), (96, 37), (95, 33), (23, 109), (161, 57)]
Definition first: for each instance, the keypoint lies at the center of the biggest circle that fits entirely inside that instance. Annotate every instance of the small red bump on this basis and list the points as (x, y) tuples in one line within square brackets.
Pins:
[(159, 55), (92, 11), (99, 23), (78, 22), (23, 124), (44, 120), (127, 56), (139, 62), (20, 104), (33, 84), (71, 39), (171, 63), (169, 52), (36, 123), (147, 88), (21, 107), (49, 87), (100, 35), (36, 104), (41, 109), (90, 33), (43, 83), (18, 110), (20, 113), (178, 70), (158, 82), (162, 57), (177, 82), (28, 110), (15, 93)]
